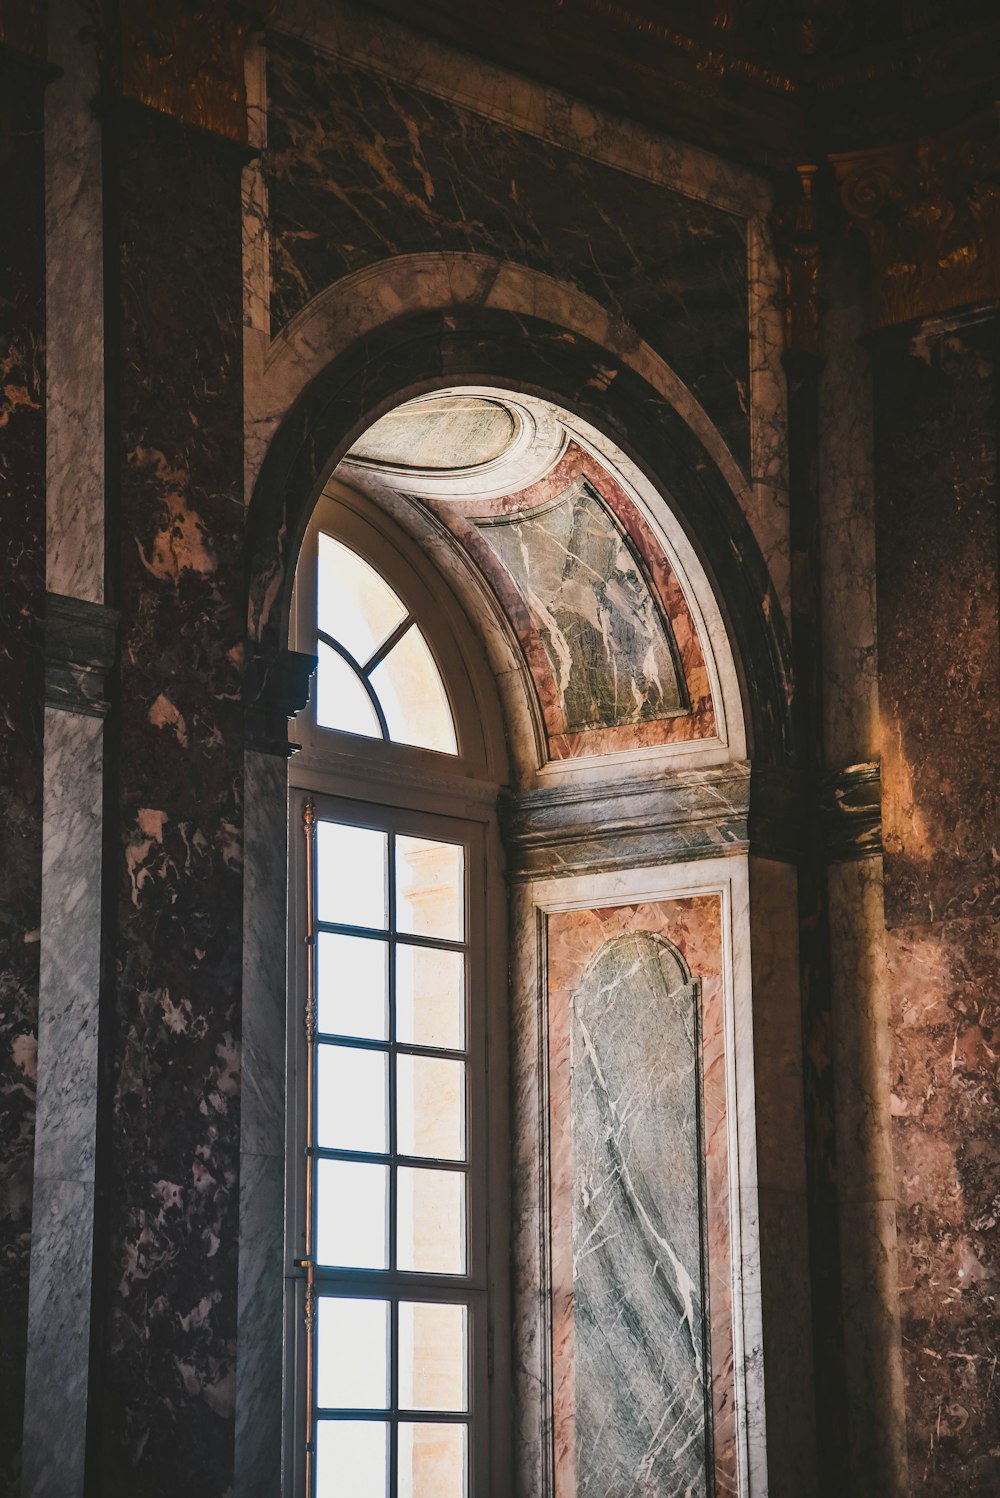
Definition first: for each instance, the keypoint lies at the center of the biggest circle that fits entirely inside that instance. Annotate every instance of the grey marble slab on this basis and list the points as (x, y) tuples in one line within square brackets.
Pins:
[(607, 641), (639, 1315)]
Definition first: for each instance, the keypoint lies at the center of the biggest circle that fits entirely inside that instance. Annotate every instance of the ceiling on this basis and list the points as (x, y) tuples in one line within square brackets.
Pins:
[(773, 82)]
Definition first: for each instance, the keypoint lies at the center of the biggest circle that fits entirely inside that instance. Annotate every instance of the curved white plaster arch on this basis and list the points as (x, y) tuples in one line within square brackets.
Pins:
[(503, 652)]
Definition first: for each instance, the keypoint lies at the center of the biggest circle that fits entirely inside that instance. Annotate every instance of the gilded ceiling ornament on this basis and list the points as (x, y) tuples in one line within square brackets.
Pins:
[(930, 212)]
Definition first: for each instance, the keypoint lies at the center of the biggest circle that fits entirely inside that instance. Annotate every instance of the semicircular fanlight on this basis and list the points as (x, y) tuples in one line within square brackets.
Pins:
[(376, 676)]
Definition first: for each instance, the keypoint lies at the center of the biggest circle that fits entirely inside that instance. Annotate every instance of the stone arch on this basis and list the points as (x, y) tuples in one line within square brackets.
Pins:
[(484, 346)]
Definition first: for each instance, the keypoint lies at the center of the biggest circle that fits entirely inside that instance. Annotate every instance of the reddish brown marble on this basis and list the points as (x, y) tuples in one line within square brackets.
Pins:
[(693, 926), (22, 607), (939, 686), (699, 721)]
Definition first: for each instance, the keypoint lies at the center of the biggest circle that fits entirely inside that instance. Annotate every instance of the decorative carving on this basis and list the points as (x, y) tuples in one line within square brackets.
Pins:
[(707, 59), (275, 688), (81, 641), (186, 60), (796, 232), (930, 211), (851, 811)]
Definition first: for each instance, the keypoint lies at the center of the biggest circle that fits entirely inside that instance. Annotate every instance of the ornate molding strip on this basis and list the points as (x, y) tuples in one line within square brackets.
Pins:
[(666, 817), (81, 645), (851, 813), (797, 242), (930, 211), (275, 688)]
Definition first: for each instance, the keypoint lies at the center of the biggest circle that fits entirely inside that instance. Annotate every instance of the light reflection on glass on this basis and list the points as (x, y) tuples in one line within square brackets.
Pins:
[(355, 606), (430, 1220), (433, 1461), (410, 690), (341, 699), (430, 887), (433, 1356), (430, 1107), (430, 997)]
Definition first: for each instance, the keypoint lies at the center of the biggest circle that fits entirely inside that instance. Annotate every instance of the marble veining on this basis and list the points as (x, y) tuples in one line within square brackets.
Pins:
[(608, 644), (22, 607), (360, 168), (643, 1393), (639, 1371)]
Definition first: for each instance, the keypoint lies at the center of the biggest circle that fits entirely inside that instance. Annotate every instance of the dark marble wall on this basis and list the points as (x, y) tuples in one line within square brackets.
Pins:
[(360, 169), (22, 604), (939, 685), (169, 1319)]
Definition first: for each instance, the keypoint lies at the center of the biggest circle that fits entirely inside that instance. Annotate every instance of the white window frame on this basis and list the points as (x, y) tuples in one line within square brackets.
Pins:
[(408, 790)]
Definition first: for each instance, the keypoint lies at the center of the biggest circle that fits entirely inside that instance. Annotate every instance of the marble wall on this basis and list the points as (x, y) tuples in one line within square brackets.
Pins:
[(360, 168), (168, 1301), (643, 1391), (22, 608), (599, 612), (939, 686)]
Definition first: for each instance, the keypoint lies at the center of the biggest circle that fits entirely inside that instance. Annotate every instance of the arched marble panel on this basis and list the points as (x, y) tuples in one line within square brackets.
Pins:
[(640, 1371)]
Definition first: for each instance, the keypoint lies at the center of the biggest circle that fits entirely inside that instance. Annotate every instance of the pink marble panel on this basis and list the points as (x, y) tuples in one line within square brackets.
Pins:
[(698, 721), (692, 925)]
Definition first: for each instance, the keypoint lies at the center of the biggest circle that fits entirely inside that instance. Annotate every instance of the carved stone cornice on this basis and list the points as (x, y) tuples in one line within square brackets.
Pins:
[(187, 59), (851, 813), (275, 688), (668, 817), (81, 644), (930, 212)]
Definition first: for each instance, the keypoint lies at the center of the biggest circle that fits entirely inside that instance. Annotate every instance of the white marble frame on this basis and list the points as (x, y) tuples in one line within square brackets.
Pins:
[(532, 903)]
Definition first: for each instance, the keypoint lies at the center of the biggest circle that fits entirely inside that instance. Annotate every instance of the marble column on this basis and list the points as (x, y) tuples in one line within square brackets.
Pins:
[(22, 607), (274, 690), (80, 634), (935, 404), (80, 642), (169, 1257), (859, 1008)]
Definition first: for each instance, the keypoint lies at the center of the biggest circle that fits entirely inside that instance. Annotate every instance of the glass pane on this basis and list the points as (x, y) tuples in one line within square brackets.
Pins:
[(430, 997), (351, 985), (352, 1099), (341, 699), (352, 1344), (433, 1461), (410, 690), (430, 1107), (351, 1214), (430, 1220), (351, 875), (433, 1356), (355, 606), (352, 1459), (430, 888)]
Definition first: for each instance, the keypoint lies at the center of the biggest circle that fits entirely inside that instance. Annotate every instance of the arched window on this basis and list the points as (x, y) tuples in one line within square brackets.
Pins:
[(390, 1207)]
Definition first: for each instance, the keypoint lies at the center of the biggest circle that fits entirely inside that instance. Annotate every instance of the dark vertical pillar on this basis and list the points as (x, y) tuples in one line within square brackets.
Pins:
[(22, 607), (804, 370), (166, 1422), (935, 392)]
